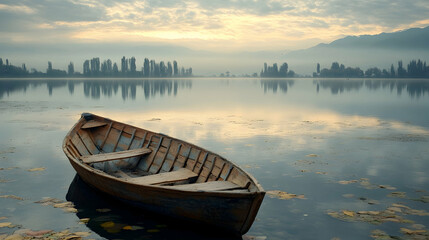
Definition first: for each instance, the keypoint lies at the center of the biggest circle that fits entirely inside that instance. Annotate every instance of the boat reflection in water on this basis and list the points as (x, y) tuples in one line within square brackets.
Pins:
[(111, 219)]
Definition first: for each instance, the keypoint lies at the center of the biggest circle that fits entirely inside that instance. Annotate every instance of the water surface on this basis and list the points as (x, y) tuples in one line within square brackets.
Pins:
[(343, 146)]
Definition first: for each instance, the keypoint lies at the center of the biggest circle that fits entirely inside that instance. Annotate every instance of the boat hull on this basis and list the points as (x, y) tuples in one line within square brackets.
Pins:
[(228, 213), (227, 210)]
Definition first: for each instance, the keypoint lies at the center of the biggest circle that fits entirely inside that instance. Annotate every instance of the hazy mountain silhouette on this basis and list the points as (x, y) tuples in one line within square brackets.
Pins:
[(413, 38), (364, 51)]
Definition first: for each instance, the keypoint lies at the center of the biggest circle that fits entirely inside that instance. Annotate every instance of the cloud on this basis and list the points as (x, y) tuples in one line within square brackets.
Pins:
[(69, 11), (212, 25), (385, 13), (255, 7), (16, 8)]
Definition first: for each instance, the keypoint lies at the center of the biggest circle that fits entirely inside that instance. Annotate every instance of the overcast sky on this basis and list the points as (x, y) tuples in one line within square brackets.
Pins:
[(202, 25)]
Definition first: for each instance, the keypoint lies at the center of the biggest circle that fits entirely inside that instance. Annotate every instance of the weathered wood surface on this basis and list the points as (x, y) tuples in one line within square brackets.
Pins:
[(229, 197), (93, 124), (115, 155), (121, 174), (164, 178), (207, 186)]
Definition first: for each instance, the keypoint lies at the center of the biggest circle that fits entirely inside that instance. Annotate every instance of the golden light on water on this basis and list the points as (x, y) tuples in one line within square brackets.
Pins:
[(291, 123)]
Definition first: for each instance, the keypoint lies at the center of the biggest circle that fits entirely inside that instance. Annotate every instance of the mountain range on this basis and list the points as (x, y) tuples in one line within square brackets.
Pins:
[(364, 51), (414, 38)]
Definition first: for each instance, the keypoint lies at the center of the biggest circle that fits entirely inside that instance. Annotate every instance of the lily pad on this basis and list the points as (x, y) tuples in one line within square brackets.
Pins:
[(103, 210), (5, 224), (36, 169), (348, 213), (49, 201), (63, 205), (311, 155), (109, 224), (365, 182), (397, 194), (394, 213), (388, 187), (413, 232), (84, 220), (57, 203), (14, 237), (37, 233), (381, 235), (82, 234), (424, 199), (70, 210), (132, 228), (345, 182), (11, 197), (283, 195)]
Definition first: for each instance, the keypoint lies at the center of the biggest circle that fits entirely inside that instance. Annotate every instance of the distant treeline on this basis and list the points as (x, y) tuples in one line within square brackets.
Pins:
[(95, 68), (275, 72), (415, 69)]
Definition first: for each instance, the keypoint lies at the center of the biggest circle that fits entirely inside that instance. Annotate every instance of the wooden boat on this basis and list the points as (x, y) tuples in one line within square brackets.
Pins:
[(163, 174)]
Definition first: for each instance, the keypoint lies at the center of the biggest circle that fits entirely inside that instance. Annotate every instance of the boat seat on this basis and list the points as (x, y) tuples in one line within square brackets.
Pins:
[(183, 174), (208, 186), (103, 157), (93, 124)]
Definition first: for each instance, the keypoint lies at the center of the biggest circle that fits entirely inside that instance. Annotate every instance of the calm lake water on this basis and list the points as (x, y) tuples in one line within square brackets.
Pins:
[(344, 147)]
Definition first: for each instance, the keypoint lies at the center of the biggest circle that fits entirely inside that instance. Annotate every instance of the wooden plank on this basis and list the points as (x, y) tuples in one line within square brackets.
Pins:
[(84, 144), (202, 164), (74, 149), (139, 161), (121, 174), (79, 145), (221, 170), (211, 168), (105, 137), (132, 138), (238, 178), (150, 140), (115, 155), (169, 168), (93, 124), (205, 172), (167, 177), (119, 137), (229, 172), (151, 158), (88, 142), (208, 186), (193, 157), (182, 157), (164, 157)]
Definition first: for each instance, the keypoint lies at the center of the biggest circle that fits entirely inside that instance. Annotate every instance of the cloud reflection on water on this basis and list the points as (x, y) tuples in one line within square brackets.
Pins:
[(290, 123)]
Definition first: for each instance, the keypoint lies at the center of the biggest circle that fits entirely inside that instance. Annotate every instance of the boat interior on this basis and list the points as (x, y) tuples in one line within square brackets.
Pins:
[(146, 158)]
